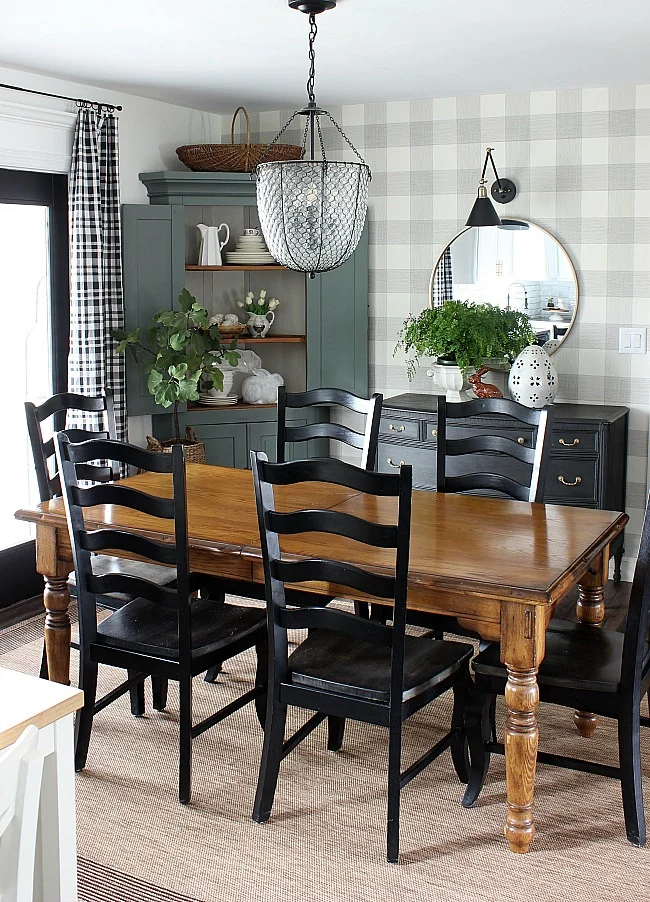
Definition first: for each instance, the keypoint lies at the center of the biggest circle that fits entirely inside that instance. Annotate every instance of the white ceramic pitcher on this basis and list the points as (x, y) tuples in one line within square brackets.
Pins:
[(211, 246)]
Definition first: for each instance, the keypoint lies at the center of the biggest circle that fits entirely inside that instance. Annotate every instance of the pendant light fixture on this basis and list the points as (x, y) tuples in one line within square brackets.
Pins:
[(502, 191), (312, 211)]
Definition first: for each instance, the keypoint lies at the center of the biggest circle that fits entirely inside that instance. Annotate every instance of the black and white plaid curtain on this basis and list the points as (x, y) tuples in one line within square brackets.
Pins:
[(96, 302), (443, 288)]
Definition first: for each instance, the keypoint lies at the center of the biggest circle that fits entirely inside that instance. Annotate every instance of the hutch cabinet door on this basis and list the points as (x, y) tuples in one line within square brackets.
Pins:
[(154, 273), (225, 444), (337, 325)]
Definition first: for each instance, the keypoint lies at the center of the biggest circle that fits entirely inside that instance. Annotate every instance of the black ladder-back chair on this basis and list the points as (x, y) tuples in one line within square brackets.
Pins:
[(349, 666), (479, 453), (585, 668), (535, 459), (164, 631), (49, 486), (365, 441)]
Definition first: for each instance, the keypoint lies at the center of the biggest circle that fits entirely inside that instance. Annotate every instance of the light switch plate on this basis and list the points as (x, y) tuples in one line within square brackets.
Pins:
[(632, 340)]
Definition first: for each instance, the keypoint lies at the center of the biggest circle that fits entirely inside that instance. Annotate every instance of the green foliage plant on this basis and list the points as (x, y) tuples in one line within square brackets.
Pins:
[(181, 351), (465, 334)]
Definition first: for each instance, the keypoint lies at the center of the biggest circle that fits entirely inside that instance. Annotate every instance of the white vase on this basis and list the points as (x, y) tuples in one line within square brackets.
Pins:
[(228, 377), (451, 379), (533, 378)]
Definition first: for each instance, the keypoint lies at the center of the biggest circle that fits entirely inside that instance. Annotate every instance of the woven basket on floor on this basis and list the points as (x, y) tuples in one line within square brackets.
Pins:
[(234, 157), (194, 449)]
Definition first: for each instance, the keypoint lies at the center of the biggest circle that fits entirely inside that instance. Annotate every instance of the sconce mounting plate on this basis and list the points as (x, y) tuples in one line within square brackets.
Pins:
[(312, 7), (507, 192)]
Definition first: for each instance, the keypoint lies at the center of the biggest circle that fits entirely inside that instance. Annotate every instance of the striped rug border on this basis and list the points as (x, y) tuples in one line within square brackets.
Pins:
[(99, 883)]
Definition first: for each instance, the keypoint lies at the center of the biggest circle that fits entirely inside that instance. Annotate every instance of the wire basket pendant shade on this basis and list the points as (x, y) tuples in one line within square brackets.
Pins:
[(312, 212)]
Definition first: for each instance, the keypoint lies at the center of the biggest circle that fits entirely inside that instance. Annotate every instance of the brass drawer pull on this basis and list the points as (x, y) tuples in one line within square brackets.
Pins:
[(576, 481), (434, 432), (389, 461), (521, 440), (576, 441), (396, 428)]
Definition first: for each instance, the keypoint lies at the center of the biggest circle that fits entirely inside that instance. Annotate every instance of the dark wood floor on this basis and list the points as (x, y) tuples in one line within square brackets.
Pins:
[(617, 596)]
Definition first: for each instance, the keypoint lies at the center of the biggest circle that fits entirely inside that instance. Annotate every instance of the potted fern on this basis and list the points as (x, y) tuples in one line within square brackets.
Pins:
[(462, 336), (182, 351)]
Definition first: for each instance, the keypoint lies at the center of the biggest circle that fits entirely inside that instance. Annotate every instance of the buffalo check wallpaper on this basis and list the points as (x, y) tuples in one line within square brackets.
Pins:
[(581, 162)]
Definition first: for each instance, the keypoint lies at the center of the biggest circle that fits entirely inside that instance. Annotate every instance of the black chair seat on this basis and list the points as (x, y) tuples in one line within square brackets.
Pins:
[(145, 627), (577, 656), (336, 663)]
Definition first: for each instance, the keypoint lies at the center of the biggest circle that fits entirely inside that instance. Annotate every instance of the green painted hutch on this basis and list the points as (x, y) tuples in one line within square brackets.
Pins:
[(320, 334)]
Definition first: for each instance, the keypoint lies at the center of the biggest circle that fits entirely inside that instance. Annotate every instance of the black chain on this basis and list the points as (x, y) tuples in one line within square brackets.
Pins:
[(313, 31), (344, 136)]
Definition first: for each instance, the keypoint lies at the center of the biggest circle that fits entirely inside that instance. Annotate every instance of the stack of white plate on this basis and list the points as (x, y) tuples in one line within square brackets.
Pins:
[(219, 401), (250, 251)]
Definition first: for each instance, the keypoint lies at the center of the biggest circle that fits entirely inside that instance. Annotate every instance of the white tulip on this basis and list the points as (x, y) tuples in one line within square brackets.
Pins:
[(240, 303), (273, 304), (249, 301), (262, 294)]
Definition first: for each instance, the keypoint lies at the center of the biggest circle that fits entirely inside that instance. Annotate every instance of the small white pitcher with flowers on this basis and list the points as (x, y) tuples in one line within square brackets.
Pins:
[(259, 312)]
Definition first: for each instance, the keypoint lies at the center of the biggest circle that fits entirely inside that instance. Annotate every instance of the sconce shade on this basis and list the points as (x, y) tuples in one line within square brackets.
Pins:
[(483, 212), (312, 212)]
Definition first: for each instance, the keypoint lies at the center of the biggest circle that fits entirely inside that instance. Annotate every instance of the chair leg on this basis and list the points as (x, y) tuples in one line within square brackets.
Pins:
[(159, 693), (362, 609), (270, 764), (84, 720), (459, 752), (394, 774), (477, 728), (185, 744), (44, 673), (493, 719), (136, 694), (212, 674), (629, 750), (262, 679), (335, 730)]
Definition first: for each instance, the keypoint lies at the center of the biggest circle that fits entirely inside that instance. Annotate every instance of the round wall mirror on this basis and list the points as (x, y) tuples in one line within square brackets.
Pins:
[(516, 265)]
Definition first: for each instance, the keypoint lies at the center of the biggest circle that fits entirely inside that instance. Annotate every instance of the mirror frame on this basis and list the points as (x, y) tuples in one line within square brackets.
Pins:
[(570, 323)]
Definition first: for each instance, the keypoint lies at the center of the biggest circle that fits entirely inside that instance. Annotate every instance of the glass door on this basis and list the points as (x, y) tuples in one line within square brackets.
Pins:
[(32, 276)]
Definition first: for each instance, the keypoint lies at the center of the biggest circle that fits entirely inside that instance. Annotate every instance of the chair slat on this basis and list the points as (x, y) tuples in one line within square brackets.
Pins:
[(488, 481), (111, 583), (340, 621), (335, 572), (335, 522), (109, 449), (325, 469), (496, 443), (490, 406), (113, 539), (334, 431), (123, 496)]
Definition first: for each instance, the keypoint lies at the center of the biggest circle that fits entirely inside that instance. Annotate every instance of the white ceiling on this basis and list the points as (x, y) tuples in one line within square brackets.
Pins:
[(215, 54)]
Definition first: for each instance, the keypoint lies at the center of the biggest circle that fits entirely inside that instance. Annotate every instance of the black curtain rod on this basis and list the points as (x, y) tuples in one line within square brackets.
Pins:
[(106, 106)]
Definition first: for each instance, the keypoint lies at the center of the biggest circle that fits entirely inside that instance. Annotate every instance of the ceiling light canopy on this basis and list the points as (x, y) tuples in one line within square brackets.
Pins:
[(312, 211)]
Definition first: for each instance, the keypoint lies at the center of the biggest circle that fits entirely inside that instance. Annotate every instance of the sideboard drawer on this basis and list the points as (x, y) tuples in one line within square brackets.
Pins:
[(577, 440), (423, 461), (398, 427), (571, 480), (524, 436)]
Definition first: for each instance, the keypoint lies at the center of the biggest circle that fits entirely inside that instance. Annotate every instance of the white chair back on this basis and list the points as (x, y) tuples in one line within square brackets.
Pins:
[(21, 769)]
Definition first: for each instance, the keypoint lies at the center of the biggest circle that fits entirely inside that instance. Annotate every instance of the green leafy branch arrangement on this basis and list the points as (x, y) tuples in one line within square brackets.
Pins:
[(181, 350), (465, 334)]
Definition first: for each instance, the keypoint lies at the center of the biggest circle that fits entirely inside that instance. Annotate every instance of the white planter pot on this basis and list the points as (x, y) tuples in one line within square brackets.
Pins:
[(533, 378), (449, 378)]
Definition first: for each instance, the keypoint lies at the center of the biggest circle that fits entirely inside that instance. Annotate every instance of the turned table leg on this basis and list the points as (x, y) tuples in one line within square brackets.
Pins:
[(522, 651), (521, 740), (590, 608), (56, 599)]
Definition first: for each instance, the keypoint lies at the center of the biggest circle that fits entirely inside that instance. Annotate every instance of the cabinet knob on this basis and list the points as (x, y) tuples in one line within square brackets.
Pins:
[(576, 441), (389, 461), (394, 428), (521, 440), (434, 432), (576, 481)]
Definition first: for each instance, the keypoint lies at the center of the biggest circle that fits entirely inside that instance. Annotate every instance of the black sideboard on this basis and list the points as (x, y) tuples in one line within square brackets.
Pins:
[(588, 450)]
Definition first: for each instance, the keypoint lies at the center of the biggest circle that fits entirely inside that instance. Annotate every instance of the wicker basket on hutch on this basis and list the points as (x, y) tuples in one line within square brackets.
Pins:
[(194, 448), (234, 157)]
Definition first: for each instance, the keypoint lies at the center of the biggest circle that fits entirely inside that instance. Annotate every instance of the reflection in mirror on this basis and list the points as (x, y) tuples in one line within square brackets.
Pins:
[(517, 265)]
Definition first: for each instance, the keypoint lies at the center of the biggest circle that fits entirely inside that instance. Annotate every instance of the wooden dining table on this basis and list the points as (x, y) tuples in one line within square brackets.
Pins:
[(499, 566)]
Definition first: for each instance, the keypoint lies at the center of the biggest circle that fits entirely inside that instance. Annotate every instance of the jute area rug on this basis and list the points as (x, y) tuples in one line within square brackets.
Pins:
[(326, 836)]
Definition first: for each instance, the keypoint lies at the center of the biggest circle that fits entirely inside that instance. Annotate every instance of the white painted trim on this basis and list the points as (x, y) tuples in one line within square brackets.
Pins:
[(34, 161), (37, 115), (35, 138)]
